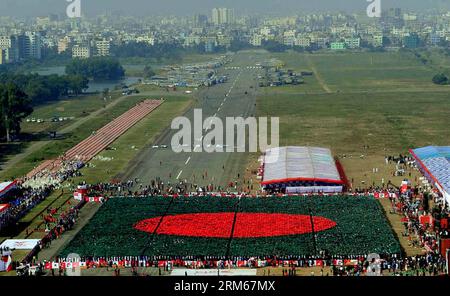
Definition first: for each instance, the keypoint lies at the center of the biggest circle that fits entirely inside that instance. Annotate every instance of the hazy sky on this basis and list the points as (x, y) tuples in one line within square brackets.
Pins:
[(187, 7)]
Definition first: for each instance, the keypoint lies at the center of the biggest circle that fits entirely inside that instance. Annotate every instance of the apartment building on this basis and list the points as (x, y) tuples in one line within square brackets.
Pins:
[(82, 52)]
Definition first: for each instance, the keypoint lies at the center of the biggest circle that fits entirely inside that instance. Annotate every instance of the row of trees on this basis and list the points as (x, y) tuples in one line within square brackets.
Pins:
[(46, 88), (97, 68)]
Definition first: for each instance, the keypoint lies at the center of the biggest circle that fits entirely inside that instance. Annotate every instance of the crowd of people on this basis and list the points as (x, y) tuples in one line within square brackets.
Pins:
[(421, 265), (21, 200), (410, 205), (54, 228), (32, 190), (156, 187), (55, 176)]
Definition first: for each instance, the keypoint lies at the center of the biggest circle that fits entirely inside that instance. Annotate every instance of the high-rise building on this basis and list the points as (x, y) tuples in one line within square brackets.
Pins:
[(8, 45), (2, 56), (34, 49), (222, 16), (200, 19), (215, 19), (23, 47), (102, 47), (81, 52)]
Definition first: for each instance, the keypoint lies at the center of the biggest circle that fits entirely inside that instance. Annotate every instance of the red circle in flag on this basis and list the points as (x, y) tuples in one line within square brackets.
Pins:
[(247, 225)]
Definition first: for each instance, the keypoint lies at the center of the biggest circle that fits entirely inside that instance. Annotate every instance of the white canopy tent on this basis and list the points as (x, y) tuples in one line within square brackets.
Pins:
[(297, 166)]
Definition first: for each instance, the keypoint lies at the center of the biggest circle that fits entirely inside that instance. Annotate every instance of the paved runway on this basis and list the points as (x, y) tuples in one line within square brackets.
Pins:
[(203, 168)]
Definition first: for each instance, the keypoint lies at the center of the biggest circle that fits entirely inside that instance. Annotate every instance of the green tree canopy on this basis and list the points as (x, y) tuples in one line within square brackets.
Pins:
[(440, 79), (148, 72), (14, 106), (97, 68)]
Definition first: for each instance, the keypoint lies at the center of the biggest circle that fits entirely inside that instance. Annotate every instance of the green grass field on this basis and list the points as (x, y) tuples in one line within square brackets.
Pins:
[(346, 122), (386, 101), (368, 72), (77, 107)]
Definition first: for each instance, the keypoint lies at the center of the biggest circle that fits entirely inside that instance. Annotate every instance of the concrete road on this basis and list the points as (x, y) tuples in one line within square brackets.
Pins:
[(236, 97)]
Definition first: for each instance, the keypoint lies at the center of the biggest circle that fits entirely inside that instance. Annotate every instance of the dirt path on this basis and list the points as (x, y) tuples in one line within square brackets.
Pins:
[(317, 75), (397, 226)]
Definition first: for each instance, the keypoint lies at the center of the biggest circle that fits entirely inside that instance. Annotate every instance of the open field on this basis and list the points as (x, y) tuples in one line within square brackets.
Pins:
[(406, 111), (367, 71), (77, 107), (158, 226), (347, 122)]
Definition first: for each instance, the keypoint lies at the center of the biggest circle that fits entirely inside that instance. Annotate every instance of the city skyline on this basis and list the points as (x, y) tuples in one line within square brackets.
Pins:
[(28, 8)]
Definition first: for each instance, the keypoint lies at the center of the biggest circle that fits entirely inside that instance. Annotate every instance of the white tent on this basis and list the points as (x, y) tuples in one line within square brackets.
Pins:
[(294, 164), (6, 186)]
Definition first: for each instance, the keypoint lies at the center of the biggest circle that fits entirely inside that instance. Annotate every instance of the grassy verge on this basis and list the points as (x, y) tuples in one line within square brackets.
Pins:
[(76, 107)]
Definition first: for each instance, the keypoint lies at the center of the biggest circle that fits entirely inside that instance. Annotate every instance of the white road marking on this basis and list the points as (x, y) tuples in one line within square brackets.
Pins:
[(179, 174), (187, 161)]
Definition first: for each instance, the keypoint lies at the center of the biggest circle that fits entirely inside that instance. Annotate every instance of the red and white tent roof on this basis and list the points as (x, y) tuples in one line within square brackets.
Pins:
[(6, 186), (294, 163), (3, 207)]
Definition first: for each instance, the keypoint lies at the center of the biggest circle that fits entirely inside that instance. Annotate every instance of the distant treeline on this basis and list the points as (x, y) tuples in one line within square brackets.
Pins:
[(46, 88), (97, 68)]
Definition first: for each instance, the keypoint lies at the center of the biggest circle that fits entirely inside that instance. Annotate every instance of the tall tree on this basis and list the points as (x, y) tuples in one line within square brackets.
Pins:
[(14, 106), (148, 72)]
